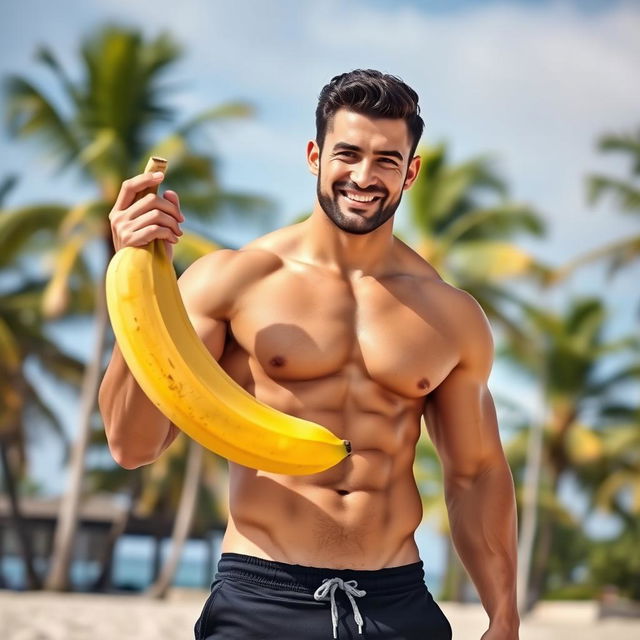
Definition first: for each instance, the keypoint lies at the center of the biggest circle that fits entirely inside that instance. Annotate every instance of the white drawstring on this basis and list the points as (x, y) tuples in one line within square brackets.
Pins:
[(330, 585)]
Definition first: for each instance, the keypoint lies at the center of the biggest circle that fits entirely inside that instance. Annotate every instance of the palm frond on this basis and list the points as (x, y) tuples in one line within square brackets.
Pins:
[(619, 252), (121, 96), (492, 261), (46, 56), (6, 185), (624, 375), (209, 204), (584, 322), (18, 227), (9, 349), (621, 481), (31, 113), (626, 196), (496, 222), (629, 143), (216, 114), (56, 296)]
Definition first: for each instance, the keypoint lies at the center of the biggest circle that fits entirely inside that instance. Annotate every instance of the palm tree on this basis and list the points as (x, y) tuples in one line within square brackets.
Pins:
[(467, 242), (23, 337), (465, 223), (20, 397), (613, 482), (104, 128), (627, 196), (565, 353)]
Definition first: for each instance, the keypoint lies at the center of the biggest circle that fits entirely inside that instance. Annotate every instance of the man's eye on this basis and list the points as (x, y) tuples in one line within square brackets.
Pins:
[(388, 160)]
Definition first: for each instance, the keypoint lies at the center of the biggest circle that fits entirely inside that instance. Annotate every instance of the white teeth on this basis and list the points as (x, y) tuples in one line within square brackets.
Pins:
[(358, 197)]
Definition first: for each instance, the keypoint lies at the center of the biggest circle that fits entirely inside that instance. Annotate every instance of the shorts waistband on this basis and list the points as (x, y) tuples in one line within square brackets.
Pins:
[(298, 577)]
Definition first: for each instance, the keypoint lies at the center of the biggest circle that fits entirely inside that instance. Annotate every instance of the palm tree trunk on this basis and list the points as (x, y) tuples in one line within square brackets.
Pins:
[(530, 503), (529, 516), (184, 518), (538, 578), (64, 537), (23, 535)]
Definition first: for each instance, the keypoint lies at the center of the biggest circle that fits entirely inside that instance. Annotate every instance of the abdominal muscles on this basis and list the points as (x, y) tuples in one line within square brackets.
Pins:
[(362, 513)]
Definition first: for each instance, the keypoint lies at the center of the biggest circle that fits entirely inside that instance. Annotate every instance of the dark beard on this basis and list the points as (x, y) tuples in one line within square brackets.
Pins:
[(360, 225)]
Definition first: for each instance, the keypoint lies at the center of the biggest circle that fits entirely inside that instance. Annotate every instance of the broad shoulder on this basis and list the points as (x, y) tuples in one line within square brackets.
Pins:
[(457, 309), (212, 284), (471, 329)]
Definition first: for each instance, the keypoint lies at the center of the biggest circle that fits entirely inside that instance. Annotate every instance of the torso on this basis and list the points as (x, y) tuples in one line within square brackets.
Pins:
[(359, 356)]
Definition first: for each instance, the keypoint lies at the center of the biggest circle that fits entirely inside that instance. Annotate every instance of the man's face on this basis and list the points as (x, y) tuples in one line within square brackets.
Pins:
[(363, 169)]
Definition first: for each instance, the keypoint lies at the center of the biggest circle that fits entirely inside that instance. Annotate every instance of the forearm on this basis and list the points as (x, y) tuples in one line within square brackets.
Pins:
[(482, 513), (137, 432)]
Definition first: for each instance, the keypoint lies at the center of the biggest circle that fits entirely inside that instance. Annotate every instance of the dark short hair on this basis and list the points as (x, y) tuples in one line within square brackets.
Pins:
[(370, 93)]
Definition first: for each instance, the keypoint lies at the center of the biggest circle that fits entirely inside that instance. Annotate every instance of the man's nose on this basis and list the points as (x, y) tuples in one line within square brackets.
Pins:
[(363, 175)]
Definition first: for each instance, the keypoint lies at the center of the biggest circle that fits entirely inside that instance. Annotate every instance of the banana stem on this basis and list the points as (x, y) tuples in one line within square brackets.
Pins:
[(155, 163)]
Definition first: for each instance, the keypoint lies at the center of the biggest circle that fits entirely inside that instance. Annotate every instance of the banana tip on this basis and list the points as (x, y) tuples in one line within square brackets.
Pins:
[(347, 444)]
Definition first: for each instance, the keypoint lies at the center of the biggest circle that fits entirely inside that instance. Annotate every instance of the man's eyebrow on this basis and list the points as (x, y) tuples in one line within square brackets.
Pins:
[(345, 146)]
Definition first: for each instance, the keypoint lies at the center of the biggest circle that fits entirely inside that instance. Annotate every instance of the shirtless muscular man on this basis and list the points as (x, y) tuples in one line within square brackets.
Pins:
[(337, 321)]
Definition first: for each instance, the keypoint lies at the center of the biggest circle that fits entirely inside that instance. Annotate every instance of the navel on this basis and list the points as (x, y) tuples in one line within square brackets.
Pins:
[(277, 361), (423, 383)]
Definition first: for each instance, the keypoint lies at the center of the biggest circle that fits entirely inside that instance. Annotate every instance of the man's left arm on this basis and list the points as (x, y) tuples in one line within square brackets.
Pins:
[(461, 421)]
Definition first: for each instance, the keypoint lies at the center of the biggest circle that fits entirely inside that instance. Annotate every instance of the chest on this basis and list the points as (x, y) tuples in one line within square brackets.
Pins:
[(303, 326)]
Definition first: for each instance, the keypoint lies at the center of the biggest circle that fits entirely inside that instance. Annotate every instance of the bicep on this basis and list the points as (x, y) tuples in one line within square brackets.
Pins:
[(461, 420)]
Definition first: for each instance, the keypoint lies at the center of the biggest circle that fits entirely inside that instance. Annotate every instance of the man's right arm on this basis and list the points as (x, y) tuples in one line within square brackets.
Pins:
[(137, 432)]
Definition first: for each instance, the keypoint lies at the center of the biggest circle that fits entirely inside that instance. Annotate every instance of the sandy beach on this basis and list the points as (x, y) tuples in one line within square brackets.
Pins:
[(40, 616)]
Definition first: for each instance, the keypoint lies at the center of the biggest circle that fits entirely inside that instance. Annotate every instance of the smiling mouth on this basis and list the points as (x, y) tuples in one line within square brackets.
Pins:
[(359, 198)]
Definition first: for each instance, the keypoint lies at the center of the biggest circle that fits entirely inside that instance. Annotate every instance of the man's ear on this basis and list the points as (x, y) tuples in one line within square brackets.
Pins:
[(313, 157), (412, 172)]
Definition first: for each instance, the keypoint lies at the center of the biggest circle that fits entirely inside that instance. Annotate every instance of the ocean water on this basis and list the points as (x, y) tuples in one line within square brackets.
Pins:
[(133, 565)]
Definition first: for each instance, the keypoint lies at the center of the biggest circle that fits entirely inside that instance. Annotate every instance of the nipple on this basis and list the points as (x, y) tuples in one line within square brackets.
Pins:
[(277, 361), (423, 383)]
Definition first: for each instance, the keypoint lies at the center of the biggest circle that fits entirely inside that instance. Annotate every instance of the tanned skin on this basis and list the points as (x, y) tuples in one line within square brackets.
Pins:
[(355, 331)]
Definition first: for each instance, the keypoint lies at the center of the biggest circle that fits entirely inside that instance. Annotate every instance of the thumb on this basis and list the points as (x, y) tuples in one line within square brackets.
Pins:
[(172, 196)]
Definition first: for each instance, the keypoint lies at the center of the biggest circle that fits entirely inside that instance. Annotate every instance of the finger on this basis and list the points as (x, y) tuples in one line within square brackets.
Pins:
[(155, 217), (133, 186), (151, 202), (149, 233), (172, 196)]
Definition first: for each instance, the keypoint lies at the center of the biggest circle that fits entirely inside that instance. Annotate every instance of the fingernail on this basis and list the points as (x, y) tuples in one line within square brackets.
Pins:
[(157, 175)]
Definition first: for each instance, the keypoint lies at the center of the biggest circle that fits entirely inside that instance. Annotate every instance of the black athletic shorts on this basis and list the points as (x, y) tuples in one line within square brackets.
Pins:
[(256, 599)]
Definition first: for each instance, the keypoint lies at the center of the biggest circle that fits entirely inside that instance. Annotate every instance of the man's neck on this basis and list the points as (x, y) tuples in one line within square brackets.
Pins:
[(352, 255)]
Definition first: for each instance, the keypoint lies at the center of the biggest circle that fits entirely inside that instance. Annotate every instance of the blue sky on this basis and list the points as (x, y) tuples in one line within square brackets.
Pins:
[(533, 83)]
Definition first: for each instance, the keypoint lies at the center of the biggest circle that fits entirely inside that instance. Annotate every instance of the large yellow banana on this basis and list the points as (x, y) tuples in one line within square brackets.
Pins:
[(180, 376)]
